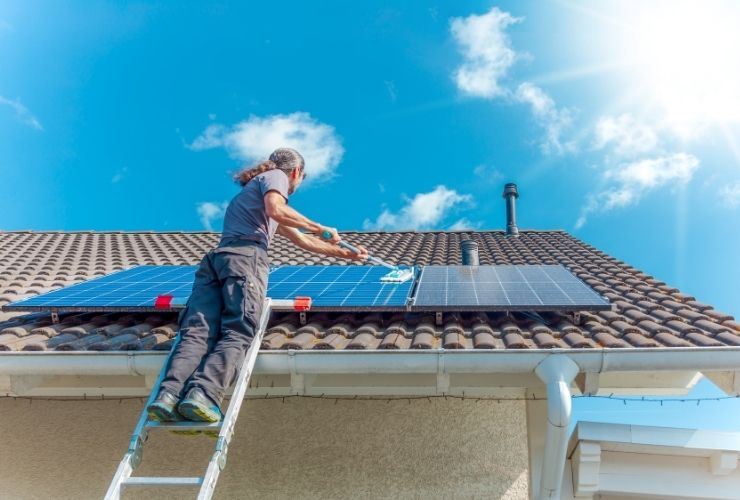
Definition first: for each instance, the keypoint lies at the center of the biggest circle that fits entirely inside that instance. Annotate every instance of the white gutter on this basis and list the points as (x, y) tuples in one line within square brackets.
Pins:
[(385, 361), (557, 372)]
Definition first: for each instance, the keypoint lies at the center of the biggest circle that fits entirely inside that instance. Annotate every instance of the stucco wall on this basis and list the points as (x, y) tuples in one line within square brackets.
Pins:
[(303, 447)]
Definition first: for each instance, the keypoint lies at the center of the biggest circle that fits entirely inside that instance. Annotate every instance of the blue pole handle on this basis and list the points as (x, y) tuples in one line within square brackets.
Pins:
[(349, 247), (326, 234)]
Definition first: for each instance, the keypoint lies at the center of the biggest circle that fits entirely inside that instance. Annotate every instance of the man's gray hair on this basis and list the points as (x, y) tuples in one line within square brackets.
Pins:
[(287, 159)]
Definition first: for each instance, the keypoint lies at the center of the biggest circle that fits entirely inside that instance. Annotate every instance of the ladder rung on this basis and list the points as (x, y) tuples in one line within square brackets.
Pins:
[(163, 481), (200, 426)]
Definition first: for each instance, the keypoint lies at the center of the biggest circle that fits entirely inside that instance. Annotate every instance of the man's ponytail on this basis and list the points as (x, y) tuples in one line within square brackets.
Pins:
[(247, 174), (286, 159)]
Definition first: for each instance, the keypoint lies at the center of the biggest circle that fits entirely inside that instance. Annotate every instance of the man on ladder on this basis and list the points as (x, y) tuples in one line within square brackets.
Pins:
[(219, 321), (223, 322)]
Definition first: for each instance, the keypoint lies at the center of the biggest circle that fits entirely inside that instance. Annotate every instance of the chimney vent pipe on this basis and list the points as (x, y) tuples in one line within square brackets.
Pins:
[(469, 250), (511, 194)]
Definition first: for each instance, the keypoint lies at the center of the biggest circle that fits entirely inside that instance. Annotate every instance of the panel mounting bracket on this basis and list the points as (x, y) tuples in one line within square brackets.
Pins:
[(302, 319), (438, 318), (54, 316), (576, 318)]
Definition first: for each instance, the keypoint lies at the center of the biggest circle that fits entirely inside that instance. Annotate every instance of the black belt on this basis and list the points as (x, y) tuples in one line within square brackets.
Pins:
[(239, 241)]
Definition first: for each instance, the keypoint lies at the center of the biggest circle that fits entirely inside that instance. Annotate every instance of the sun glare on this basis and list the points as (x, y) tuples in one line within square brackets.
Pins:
[(686, 58)]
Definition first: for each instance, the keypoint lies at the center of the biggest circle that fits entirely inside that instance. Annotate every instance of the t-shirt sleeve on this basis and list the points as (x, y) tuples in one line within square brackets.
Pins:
[(275, 180)]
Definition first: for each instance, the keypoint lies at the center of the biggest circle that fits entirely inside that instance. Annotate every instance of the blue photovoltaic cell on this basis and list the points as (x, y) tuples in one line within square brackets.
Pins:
[(131, 289), (330, 287), (504, 287), (352, 287)]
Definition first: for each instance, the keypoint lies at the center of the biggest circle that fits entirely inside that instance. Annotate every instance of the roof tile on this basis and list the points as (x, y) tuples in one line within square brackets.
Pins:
[(423, 339)]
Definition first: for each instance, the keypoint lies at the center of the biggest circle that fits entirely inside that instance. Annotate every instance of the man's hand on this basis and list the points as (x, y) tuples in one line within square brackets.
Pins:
[(349, 254), (316, 244), (330, 235)]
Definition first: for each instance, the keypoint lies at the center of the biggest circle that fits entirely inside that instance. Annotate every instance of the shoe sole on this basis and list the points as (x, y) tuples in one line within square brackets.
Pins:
[(210, 434), (198, 414), (161, 414)]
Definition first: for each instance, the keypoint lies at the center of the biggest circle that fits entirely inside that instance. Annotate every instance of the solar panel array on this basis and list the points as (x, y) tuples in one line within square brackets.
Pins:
[(504, 287), (129, 290), (437, 288)]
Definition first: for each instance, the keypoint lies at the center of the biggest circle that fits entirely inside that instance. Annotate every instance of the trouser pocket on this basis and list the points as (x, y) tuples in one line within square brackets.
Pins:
[(244, 267)]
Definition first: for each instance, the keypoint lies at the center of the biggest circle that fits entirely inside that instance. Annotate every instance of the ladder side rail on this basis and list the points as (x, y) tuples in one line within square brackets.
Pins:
[(132, 458), (218, 460)]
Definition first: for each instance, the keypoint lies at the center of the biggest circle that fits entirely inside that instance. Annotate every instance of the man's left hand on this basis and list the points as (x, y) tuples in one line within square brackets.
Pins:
[(349, 254)]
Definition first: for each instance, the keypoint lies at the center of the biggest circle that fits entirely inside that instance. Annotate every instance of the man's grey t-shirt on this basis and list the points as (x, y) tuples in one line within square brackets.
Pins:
[(246, 217)]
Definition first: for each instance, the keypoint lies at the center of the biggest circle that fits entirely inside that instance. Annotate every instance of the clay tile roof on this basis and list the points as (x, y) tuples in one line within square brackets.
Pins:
[(647, 312)]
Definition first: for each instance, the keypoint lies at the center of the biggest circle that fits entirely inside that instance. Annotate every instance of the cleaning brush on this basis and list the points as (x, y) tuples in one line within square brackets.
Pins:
[(397, 274)]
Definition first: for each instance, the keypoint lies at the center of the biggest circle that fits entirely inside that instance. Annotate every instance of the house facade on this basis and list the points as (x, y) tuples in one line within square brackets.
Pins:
[(362, 404)]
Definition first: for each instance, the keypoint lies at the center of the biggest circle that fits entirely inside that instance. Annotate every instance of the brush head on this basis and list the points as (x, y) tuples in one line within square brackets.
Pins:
[(398, 276)]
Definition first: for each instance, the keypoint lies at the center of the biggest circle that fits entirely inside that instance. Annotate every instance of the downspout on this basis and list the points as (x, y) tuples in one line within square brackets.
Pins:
[(557, 372)]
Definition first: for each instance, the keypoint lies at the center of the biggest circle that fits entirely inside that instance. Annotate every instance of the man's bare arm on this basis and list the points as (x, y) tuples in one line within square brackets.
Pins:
[(278, 210), (313, 244)]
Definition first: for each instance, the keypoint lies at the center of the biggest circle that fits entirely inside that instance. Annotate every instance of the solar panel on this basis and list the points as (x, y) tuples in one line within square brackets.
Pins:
[(136, 289), (339, 287), (505, 287), (129, 290)]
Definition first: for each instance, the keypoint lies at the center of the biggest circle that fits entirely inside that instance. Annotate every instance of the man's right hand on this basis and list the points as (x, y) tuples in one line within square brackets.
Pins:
[(330, 235)]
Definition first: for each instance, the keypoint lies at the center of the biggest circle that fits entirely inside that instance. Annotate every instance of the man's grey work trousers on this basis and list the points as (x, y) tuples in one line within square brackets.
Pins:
[(218, 323)]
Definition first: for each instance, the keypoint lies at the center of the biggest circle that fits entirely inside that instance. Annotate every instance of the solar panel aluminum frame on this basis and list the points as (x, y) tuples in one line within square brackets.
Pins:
[(421, 287)]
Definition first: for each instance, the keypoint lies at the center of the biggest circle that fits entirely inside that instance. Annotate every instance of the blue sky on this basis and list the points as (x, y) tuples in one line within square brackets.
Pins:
[(618, 122)]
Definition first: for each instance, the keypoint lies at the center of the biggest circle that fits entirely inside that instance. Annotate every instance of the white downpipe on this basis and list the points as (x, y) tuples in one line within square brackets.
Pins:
[(557, 372)]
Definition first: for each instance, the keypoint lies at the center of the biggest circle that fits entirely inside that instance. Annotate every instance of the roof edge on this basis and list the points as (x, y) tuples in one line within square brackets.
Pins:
[(631, 434), (152, 231), (385, 361)]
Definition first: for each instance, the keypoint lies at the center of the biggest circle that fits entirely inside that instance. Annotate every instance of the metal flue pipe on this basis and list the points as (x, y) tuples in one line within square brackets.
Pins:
[(469, 251), (511, 194)]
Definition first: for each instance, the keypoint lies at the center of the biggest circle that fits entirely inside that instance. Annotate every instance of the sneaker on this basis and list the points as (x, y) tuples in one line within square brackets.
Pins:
[(198, 407), (163, 409)]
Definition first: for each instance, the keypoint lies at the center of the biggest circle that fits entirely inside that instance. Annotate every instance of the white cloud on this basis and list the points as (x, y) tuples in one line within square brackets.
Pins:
[(625, 135), (464, 224), (487, 52), (211, 212), (488, 174), (423, 211), (487, 57), (730, 195), (256, 137), (21, 113), (651, 173), (118, 176), (629, 182), (553, 119), (390, 86)]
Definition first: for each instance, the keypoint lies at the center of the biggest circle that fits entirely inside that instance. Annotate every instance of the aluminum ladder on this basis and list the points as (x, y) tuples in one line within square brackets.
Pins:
[(207, 483)]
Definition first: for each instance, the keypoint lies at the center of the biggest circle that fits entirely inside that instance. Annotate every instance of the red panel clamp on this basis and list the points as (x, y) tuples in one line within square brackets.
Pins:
[(302, 303), (163, 302)]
